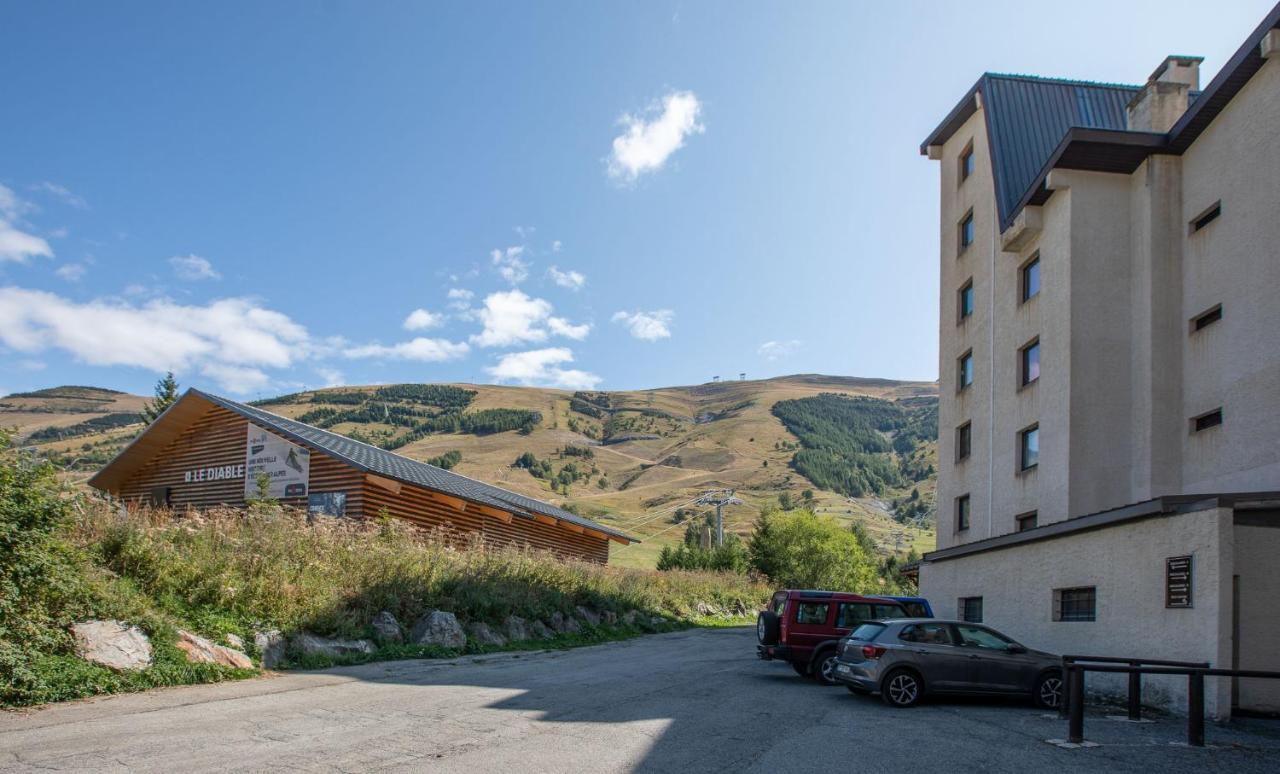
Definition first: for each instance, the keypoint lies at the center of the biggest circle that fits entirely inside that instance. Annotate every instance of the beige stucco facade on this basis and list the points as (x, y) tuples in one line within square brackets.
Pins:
[(1126, 267)]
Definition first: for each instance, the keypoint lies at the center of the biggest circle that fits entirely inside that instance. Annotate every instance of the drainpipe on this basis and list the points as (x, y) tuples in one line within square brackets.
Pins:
[(991, 376)]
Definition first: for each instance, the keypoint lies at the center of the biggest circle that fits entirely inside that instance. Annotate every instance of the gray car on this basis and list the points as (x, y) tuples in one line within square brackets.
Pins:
[(906, 658)]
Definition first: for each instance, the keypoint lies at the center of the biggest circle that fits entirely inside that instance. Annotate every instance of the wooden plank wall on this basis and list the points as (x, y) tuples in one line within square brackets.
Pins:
[(218, 439)]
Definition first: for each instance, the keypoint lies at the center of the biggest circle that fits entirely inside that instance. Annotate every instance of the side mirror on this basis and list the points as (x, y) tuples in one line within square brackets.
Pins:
[(1016, 648)]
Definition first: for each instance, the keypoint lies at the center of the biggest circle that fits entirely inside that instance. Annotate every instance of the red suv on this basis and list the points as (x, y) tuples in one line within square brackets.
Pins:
[(804, 627)]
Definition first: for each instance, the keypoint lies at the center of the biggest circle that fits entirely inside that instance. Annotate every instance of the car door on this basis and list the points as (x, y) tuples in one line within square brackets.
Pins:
[(810, 625), (992, 666), (932, 648)]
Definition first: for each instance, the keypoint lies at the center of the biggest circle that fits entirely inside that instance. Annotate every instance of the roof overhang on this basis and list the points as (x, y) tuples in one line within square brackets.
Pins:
[(157, 436)]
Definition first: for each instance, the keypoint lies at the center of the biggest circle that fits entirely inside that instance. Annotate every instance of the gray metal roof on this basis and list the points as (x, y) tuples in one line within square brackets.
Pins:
[(1027, 119), (394, 466)]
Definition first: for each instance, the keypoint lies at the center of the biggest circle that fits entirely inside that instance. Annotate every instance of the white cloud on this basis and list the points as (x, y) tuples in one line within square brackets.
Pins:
[(647, 326), (193, 268), (572, 280), (562, 327), (511, 317), (541, 368), (460, 299), (645, 146), (775, 350), (230, 340), (510, 265), (421, 349), (62, 193), (555, 246), (71, 272), (421, 320), (16, 244)]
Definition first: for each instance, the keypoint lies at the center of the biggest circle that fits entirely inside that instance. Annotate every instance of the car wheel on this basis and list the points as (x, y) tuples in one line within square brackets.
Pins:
[(801, 669), (824, 669), (902, 688), (858, 691), (1048, 691)]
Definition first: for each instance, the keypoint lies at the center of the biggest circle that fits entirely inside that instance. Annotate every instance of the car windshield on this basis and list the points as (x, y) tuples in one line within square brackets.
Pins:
[(867, 632)]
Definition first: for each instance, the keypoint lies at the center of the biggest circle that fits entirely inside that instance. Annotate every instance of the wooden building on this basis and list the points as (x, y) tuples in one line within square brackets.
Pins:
[(206, 451)]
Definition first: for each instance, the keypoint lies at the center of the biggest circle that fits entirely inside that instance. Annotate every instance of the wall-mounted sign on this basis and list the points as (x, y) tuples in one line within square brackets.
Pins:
[(220, 473), (286, 465), (1177, 581), (327, 504)]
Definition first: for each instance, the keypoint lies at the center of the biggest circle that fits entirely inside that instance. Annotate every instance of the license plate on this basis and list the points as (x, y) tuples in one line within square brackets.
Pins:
[(843, 669)]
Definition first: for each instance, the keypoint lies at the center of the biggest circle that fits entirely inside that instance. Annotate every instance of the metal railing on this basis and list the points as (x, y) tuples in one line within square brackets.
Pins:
[(1074, 667)]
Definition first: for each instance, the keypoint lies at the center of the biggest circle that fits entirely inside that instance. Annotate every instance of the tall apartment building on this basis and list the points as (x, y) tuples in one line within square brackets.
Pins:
[(1109, 428)]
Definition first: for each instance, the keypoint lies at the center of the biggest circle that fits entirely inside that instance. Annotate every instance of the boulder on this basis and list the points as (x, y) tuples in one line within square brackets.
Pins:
[(564, 624), (438, 628), (705, 610), (630, 617), (541, 631), (516, 627), (201, 651), (610, 617), (313, 645), (657, 622), (270, 645), (386, 628), (234, 641), (112, 644), (588, 615), (485, 635), (740, 608)]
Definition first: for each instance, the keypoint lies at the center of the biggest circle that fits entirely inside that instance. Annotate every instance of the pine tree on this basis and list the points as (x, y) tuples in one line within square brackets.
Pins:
[(166, 396)]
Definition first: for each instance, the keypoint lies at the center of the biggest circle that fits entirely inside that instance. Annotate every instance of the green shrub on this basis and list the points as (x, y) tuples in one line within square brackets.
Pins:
[(800, 550)]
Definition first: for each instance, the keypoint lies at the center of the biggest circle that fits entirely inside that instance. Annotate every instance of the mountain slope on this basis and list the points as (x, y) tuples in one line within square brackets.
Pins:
[(633, 459)]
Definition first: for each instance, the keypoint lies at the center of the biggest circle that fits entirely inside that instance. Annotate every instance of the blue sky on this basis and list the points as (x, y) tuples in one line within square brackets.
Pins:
[(267, 196)]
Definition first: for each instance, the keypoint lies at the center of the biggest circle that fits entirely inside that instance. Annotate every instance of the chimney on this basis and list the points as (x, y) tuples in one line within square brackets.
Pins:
[(1164, 98)]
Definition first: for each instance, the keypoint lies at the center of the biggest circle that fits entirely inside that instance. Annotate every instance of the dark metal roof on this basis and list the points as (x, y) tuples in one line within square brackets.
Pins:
[(1037, 124), (381, 462)]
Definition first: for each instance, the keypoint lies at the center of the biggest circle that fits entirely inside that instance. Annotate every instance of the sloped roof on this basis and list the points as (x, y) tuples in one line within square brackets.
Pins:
[(1035, 124), (359, 455)]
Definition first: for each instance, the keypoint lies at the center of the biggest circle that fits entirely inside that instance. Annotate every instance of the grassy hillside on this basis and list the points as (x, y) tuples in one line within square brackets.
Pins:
[(632, 459)]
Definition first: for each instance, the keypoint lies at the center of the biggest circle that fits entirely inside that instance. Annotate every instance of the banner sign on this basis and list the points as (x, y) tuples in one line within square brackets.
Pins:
[(327, 504), (286, 465), (1177, 581)]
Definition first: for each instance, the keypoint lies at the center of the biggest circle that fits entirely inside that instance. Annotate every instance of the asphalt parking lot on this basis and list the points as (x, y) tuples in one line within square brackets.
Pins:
[(680, 702)]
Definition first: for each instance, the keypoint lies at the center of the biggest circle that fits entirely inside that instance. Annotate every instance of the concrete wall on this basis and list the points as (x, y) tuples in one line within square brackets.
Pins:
[(973, 404), (1126, 563), (1235, 261), (1256, 549)]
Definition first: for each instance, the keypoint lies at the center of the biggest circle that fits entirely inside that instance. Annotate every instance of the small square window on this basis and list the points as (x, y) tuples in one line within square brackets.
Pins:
[(1029, 448), (962, 513), (1030, 360), (970, 609), (966, 163), (964, 370), (966, 231), (1206, 318), (1078, 604), (1031, 278), (1206, 217), (1026, 521), (965, 301), (964, 441), (1206, 421)]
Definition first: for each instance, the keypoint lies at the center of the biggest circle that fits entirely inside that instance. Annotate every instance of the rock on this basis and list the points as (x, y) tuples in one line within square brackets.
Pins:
[(314, 645), (541, 631), (629, 617), (704, 609), (112, 644), (270, 645), (588, 615), (657, 622), (386, 628), (438, 628), (610, 617), (739, 608), (517, 628), (234, 641), (485, 635), (564, 624), (201, 651)]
